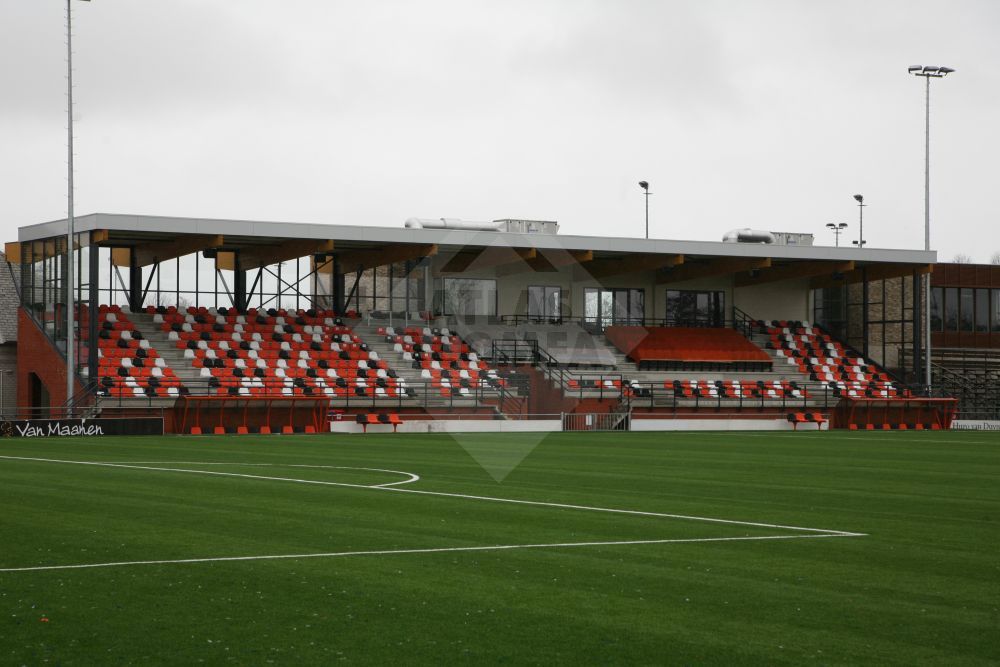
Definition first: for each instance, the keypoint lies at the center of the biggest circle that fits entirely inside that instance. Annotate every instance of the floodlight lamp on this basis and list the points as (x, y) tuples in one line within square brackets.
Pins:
[(859, 198), (945, 70), (644, 185), (914, 68), (930, 69)]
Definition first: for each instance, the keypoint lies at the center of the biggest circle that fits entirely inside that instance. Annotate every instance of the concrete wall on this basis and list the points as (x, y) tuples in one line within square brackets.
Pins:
[(457, 426), (719, 425), (779, 300)]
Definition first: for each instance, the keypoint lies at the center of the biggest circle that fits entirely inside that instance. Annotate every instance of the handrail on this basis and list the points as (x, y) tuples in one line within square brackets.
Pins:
[(517, 319)]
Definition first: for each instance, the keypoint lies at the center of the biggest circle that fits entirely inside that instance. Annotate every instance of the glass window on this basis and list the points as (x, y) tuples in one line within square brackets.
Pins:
[(995, 310), (691, 308), (544, 302), (469, 296), (937, 304), (591, 310), (982, 310), (637, 306), (615, 306), (966, 309), (951, 309)]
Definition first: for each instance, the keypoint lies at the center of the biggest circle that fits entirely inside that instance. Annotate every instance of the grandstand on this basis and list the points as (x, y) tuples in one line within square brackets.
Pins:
[(239, 326)]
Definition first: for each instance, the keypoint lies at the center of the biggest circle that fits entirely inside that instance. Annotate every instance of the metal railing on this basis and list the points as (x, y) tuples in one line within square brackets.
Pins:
[(414, 394)]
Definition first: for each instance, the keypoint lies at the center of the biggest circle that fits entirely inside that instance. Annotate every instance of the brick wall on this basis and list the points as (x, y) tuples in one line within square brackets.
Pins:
[(36, 354)]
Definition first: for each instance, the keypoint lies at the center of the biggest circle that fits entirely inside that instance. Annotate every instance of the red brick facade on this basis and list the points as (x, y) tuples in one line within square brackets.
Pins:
[(36, 354)]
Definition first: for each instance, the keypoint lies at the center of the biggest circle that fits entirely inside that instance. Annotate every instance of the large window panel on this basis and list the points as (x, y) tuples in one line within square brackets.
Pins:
[(951, 309), (982, 310), (995, 311), (695, 308), (544, 303), (470, 297), (966, 309)]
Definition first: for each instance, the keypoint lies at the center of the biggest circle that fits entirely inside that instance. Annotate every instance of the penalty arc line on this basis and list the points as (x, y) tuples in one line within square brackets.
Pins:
[(444, 494), (430, 550), (411, 477)]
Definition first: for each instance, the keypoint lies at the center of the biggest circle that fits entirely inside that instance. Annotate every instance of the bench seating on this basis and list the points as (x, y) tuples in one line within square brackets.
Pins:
[(376, 418), (685, 345)]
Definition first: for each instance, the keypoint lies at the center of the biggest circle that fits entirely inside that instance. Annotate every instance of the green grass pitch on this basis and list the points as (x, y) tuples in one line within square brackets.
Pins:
[(899, 562)]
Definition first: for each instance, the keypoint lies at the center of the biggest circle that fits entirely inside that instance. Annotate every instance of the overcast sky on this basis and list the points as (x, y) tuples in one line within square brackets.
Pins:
[(763, 114)]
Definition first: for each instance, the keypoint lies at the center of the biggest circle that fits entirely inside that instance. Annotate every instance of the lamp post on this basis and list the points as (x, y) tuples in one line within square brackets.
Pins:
[(928, 72), (645, 186), (70, 269), (861, 220), (838, 229)]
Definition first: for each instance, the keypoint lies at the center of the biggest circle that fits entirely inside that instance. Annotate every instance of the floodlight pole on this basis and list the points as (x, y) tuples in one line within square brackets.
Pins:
[(70, 304), (645, 186), (70, 240), (928, 72), (838, 229)]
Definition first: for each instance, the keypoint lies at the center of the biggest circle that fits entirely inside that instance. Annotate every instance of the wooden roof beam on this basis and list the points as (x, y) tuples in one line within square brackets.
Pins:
[(793, 271), (360, 260), (254, 257), (606, 268), (717, 267), (488, 258), (549, 261)]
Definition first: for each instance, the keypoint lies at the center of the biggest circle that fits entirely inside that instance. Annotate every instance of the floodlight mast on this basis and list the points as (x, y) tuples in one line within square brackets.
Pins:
[(645, 186), (928, 72), (838, 229), (861, 221), (70, 232)]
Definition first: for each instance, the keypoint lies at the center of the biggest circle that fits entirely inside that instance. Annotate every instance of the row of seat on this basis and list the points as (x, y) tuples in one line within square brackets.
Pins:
[(814, 352), (737, 389), (127, 365)]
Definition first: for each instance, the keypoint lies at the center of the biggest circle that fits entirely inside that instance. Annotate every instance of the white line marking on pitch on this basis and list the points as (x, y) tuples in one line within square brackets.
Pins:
[(390, 552), (536, 503), (412, 477)]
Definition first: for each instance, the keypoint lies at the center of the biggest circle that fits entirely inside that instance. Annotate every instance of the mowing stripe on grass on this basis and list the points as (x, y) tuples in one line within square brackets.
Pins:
[(392, 552), (443, 494)]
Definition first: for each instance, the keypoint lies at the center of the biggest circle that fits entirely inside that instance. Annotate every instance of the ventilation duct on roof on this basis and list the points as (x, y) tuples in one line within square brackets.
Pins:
[(453, 223), (747, 235)]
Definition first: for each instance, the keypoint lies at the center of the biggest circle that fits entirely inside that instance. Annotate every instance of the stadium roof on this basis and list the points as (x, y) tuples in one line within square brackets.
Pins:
[(140, 230), (354, 248)]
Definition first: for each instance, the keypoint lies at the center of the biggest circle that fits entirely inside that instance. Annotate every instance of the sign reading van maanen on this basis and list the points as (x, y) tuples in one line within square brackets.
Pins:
[(57, 428)]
